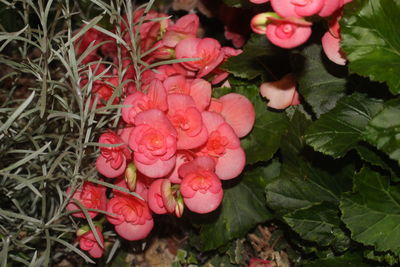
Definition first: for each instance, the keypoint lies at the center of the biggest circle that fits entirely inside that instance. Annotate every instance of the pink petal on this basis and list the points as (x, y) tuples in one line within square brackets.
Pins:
[(231, 164), (154, 196), (212, 120), (104, 167), (331, 46), (200, 91), (134, 232), (307, 8), (259, 1), (280, 93), (204, 202), (238, 112), (330, 7), (284, 8), (159, 169)]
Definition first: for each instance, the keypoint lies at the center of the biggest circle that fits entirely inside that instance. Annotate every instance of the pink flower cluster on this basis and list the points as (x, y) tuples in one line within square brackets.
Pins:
[(175, 142), (288, 27)]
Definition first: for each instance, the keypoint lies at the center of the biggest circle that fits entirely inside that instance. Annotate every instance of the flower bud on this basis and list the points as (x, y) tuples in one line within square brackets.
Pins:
[(130, 176)]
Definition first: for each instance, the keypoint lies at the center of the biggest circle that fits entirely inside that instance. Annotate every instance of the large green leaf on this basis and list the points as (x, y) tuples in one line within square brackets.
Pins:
[(371, 40), (321, 82), (264, 140), (339, 130), (383, 130), (372, 213), (252, 62), (242, 208), (301, 182), (319, 223)]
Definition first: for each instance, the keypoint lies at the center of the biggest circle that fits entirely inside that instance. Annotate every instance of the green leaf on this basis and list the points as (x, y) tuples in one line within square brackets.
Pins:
[(242, 208), (339, 130), (302, 183), (250, 63), (372, 213), (319, 223), (388, 258), (371, 40), (321, 82), (372, 156), (269, 127), (349, 259), (383, 131)]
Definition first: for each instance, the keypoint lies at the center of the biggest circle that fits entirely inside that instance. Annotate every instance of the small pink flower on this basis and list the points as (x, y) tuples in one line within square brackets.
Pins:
[(207, 49), (91, 196), (331, 46), (184, 28), (330, 7), (156, 203), (254, 262), (237, 39), (201, 189), (288, 33), (198, 89), (156, 98), (87, 242), (187, 120), (82, 44), (132, 218), (112, 160), (281, 94), (223, 146), (153, 141), (238, 112)]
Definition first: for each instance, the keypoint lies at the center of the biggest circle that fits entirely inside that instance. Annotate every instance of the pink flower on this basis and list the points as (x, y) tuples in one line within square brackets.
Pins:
[(156, 203), (331, 41), (182, 156), (184, 28), (238, 112), (82, 44), (330, 7), (237, 39), (201, 189), (288, 33), (281, 94), (132, 218), (156, 98), (187, 120), (198, 89), (207, 49), (153, 141), (331, 46), (223, 146), (87, 242), (298, 8), (112, 160), (91, 196), (218, 75), (254, 262)]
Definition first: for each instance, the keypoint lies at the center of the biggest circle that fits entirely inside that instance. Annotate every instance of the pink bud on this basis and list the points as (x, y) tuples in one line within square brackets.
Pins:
[(130, 176), (288, 33)]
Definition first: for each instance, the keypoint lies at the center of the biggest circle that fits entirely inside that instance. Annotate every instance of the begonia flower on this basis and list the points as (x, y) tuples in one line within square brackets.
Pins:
[(156, 203), (131, 217), (298, 8), (156, 98), (223, 146), (330, 7), (198, 89), (331, 46), (88, 242), (207, 49), (91, 36), (218, 75), (112, 160), (187, 120), (182, 156), (201, 189), (281, 94), (238, 112), (91, 196), (104, 91), (288, 33), (184, 28), (153, 141)]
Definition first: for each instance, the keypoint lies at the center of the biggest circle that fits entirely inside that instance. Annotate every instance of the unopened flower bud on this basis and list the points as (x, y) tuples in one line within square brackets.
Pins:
[(130, 176), (167, 195)]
